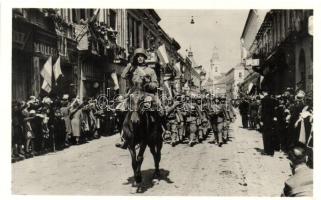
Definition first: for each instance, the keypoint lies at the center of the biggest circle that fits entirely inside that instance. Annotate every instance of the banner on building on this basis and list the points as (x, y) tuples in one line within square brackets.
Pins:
[(45, 86), (46, 71), (81, 32), (162, 54), (177, 67), (57, 69)]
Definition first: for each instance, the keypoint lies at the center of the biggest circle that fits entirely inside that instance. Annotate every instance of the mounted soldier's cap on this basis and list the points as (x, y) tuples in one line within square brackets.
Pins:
[(140, 51)]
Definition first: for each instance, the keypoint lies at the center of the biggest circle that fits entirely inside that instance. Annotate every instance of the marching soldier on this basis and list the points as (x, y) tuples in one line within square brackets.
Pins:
[(216, 116), (204, 126), (172, 120), (192, 114)]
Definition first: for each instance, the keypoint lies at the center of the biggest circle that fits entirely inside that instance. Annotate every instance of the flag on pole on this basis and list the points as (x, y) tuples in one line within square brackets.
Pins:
[(45, 86), (177, 67), (115, 79), (57, 69), (46, 71), (95, 16), (162, 54), (168, 88)]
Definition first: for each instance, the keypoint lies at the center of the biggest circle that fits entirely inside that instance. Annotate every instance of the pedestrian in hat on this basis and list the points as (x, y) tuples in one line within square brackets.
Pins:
[(295, 110), (76, 119), (65, 112), (244, 108), (268, 114), (300, 184)]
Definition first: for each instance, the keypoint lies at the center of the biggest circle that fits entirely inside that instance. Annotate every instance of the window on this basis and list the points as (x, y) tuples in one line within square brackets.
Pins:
[(133, 32), (112, 21), (146, 38), (215, 69), (240, 74)]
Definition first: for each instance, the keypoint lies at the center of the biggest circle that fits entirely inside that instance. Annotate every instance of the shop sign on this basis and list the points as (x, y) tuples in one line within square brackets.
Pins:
[(252, 62), (44, 49), (255, 62)]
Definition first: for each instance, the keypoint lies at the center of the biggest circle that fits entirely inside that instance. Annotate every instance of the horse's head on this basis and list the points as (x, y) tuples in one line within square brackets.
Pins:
[(134, 103)]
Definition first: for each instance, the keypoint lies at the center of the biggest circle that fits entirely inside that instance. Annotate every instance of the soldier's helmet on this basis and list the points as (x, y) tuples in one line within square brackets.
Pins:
[(140, 51)]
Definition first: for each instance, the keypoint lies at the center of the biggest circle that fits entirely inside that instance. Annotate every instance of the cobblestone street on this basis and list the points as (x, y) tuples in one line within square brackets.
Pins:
[(99, 168)]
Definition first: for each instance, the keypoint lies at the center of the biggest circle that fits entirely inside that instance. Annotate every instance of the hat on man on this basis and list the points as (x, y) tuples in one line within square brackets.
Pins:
[(300, 95), (47, 100), (297, 153), (32, 112), (65, 97)]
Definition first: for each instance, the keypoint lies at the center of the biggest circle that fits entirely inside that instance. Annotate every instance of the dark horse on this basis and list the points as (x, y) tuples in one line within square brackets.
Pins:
[(142, 128)]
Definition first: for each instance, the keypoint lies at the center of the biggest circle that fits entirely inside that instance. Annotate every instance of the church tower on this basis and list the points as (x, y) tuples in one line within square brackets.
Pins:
[(215, 66)]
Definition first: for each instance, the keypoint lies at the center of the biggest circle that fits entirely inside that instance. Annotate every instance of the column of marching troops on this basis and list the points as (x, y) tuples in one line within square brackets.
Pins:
[(195, 118)]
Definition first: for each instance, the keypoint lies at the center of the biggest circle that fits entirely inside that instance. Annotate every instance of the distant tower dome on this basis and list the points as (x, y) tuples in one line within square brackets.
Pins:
[(215, 66)]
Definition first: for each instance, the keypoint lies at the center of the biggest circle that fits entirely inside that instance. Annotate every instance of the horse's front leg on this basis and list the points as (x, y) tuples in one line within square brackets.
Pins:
[(140, 158), (132, 152), (156, 152)]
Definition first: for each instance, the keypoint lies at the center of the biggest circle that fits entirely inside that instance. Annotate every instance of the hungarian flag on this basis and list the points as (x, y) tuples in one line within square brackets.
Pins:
[(46, 74), (45, 86), (162, 54), (57, 69), (115, 80)]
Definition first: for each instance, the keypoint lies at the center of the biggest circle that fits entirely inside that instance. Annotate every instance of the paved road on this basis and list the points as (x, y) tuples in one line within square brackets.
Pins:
[(99, 168)]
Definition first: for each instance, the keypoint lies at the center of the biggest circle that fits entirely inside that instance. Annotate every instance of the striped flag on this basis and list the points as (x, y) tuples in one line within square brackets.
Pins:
[(45, 86), (57, 69), (162, 54), (46, 73)]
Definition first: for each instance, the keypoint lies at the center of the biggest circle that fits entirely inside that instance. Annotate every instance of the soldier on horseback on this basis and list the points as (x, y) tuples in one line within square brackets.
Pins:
[(143, 81)]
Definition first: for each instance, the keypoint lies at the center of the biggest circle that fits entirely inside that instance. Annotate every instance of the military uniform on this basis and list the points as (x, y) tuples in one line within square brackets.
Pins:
[(192, 115), (216, 116), (143, 83), (204, 127), (173, 122)]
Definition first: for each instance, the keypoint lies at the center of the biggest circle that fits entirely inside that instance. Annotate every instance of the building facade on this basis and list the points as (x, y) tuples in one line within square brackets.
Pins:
[(94, 46), (233, 79), (284, 48)]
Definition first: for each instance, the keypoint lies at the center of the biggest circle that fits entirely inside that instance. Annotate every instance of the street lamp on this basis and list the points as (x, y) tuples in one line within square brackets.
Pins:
[(192, 21)]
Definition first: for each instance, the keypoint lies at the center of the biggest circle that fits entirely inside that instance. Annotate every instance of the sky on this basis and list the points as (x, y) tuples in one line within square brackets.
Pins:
[(213, 28)]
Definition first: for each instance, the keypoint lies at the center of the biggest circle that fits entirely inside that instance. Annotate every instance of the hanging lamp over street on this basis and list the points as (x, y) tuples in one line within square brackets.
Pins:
[(192, 21)]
